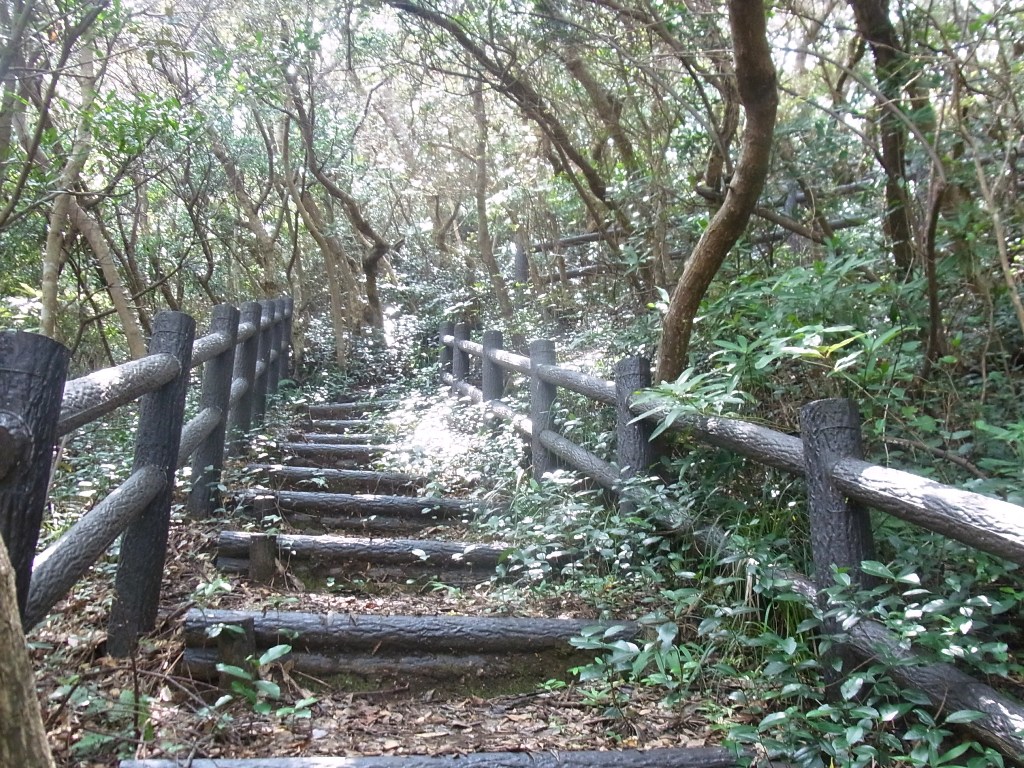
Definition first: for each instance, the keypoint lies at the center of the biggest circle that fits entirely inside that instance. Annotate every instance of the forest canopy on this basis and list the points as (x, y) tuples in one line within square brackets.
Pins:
[(432, 159)]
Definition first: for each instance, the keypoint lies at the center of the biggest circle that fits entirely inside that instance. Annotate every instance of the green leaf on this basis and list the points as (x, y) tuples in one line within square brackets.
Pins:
[(875, 568), (775, 718), (231, 669), (964, 716), (851, 687), (273, 654), (268, 688)]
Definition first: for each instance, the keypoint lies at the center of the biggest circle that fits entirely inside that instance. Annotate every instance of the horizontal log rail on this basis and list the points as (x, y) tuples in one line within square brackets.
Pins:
[(827, 454), (243, 357)]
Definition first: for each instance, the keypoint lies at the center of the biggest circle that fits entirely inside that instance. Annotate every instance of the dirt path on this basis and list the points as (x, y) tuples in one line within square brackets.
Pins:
[(383, 630)]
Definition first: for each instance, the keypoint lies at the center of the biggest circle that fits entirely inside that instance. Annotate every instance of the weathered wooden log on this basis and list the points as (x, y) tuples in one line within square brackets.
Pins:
[(211, 345), (375, 525), (331, 439), (346, 549), (542, 399), (492, 382), (348, 410), (345, 480), (419, 668), (582, 383), (276, 343), (244, 375), (95, 394), (337, 425), (33, 369), (509, 360), (840, 528), (263, 356), (604, 474), (460, 358), (445, 337), (366, 504), (199, 427), (690, 757), (208, 460), (387, 634), (63, 563), (979, 521), (764, 445), (144, 544), (262, 550), (634, 451), (324, 452), (948, 689), (286, 349)]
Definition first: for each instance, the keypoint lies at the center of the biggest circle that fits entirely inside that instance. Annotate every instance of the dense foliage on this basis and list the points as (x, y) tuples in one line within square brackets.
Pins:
[(547, 168)]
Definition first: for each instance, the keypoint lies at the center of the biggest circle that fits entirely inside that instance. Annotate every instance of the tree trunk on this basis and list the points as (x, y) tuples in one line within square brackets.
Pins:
[(874, 25), (53, 255), (22, 735), (756, 79), (90, 230), (486, 244)]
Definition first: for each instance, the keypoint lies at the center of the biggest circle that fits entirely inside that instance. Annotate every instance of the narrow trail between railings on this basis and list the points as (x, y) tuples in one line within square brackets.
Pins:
[(387, 640)]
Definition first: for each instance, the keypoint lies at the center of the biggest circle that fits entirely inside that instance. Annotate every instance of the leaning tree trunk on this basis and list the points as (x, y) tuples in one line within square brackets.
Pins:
[(756, 79), (486, 243), (22, 735)]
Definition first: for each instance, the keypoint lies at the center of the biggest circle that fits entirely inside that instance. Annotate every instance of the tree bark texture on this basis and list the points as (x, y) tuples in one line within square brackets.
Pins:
[(485, 243), (144, 546), (343, 480), (343, 410), (367, 505), (22, 734), (388, 634), (874, 25), (756, 78), (32, 373), (89, 397), (62, 564), (338, 425), (346, 549)]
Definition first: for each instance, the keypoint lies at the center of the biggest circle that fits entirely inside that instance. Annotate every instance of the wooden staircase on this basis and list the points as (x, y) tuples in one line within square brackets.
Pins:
[(365, 526)]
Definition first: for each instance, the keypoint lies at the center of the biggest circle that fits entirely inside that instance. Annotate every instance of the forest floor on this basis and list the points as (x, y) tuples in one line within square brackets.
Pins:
[(98, 710)]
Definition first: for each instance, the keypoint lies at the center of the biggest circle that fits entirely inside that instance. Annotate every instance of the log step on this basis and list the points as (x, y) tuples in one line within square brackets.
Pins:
[(364, 556), (691, 757), (401, 635), (332, 453), (359, 504), (343, 410), (445, 651), (344, 480), (336, 425), (321, 438)]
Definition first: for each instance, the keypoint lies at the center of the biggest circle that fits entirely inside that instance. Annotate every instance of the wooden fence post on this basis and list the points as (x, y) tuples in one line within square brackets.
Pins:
[(208, 459), (460, 359), (493, 375), (286, 345), (634, 452), (259, 392), (447, 329), (840, 528), (542, 398), (240, 418), (144, 545), (276, 343), (32, 373)]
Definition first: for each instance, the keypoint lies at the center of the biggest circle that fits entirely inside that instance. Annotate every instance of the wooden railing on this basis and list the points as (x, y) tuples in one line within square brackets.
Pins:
[(840, 487), (244, 357)]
